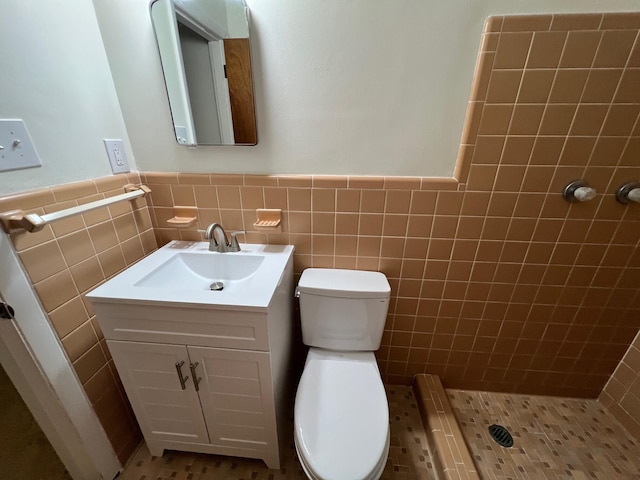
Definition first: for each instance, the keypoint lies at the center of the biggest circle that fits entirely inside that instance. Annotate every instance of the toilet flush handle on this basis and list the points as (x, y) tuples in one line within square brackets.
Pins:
[(297, 292)]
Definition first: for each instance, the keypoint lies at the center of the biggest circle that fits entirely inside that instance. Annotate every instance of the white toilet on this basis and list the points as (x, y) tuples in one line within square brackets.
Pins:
[(341, 413)]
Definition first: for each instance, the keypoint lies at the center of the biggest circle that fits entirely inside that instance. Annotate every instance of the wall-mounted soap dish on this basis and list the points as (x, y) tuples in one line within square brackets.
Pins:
[(269, 219), (184, 217)]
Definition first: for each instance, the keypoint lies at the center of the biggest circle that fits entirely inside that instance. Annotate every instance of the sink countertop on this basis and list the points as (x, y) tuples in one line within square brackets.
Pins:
[(255, 296)]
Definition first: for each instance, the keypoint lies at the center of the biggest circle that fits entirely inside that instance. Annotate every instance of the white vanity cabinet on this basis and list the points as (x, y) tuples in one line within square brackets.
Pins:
[(207, 378), (212, 397)]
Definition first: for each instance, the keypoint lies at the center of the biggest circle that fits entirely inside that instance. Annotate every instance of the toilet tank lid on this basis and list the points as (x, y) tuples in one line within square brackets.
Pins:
[(344, 283)]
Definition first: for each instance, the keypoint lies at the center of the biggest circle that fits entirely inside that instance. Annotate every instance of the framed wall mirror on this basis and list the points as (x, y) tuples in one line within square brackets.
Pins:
[(206, 62)]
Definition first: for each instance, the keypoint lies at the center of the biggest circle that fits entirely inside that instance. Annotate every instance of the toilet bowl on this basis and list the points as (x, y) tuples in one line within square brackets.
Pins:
[(341, 417), (341, 414)]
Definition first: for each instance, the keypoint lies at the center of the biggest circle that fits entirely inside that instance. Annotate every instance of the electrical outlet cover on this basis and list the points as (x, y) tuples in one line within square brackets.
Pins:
[(16, 148), (117, 156)]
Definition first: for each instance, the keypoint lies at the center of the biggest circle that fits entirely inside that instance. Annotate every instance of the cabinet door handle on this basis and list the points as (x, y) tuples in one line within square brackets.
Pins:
[(196, 379), (183, 380)]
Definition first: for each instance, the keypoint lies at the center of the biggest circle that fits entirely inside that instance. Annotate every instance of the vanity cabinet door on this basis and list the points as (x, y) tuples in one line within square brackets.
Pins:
[(165, 411), (236, 394)]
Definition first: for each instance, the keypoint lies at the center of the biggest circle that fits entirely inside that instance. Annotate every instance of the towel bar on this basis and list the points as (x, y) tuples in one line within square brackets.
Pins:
[(32, 222)]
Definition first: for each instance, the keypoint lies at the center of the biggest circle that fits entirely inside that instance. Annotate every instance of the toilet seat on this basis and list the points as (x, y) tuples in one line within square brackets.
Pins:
[(341, 417)]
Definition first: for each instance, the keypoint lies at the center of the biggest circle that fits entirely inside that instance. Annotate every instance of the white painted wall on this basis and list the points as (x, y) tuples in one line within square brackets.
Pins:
[(357, 87), (56, 77)]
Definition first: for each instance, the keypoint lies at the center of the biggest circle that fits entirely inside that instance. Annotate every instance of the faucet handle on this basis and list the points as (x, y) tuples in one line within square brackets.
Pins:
[(234, 246)]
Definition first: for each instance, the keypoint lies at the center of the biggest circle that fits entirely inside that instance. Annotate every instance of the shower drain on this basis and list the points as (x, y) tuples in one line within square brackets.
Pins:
[(501, 435)]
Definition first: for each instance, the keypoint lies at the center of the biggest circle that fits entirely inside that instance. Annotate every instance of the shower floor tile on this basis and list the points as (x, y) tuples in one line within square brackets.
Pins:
[(554, 438), (408, 454)]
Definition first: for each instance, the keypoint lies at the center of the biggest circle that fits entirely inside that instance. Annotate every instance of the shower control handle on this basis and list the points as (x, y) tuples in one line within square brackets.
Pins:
[(629, 192), (578, 191), (183, 380)]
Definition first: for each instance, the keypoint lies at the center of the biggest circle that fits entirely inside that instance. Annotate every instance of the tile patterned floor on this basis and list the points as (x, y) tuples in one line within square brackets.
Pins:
[(554, 438), (408, 455)]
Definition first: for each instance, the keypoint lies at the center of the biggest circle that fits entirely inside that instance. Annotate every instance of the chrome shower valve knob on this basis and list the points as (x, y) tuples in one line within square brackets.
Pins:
[(629, 192), (578, 191)]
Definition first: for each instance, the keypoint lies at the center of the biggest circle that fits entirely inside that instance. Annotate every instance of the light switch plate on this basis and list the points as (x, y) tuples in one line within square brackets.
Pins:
[(16, 148), (117, 156)]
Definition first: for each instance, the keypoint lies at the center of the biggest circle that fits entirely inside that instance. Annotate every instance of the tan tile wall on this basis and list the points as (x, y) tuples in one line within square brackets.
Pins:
[(70, 257), (498, 283), (621, 395), (557, 98)]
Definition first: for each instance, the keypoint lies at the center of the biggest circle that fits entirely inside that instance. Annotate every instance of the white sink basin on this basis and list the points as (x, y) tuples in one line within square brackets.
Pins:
[(188, 273)]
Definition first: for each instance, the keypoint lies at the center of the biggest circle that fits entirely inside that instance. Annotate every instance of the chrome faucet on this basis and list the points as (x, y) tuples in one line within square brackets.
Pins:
[(220, 243)]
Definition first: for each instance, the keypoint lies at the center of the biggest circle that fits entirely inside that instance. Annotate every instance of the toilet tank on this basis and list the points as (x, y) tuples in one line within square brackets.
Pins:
[(343, 309)]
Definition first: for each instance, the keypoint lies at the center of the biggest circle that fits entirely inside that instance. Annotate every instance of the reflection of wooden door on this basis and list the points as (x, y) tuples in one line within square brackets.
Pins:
[(238, 58)]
